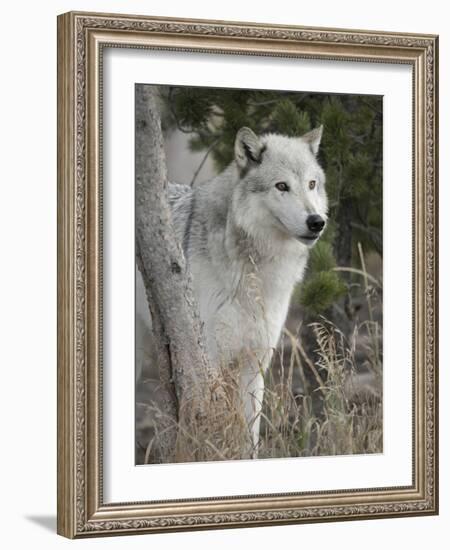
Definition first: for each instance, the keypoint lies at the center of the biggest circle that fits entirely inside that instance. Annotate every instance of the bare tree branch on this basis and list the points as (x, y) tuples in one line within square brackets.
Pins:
[(200, 166)]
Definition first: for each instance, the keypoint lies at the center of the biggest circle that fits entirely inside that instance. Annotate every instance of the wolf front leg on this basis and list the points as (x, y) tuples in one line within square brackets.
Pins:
[(252, 393)]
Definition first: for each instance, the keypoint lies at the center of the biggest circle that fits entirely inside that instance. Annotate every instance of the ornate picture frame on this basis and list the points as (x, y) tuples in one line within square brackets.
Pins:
[(82, 40)]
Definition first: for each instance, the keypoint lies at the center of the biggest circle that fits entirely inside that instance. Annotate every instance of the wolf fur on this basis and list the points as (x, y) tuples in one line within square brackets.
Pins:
[(246, 240)]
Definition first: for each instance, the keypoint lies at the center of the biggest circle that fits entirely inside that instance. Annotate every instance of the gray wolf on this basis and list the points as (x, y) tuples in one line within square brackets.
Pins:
[(246, 235)]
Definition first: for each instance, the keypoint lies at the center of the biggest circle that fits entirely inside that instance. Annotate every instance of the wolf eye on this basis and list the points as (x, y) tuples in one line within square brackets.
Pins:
[(282, 186), (312, 184)]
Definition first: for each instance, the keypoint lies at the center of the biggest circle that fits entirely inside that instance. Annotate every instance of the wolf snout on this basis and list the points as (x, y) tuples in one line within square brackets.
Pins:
[(315, 223)]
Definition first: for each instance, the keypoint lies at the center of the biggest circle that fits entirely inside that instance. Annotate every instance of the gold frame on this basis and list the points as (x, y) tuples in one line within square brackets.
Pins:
[(81, 38)]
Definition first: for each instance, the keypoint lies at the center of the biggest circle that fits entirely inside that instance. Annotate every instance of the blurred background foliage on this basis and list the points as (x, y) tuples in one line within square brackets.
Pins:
[(350, 153)]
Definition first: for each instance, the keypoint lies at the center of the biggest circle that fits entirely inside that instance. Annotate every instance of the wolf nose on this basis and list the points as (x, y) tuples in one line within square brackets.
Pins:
[(315, 223)]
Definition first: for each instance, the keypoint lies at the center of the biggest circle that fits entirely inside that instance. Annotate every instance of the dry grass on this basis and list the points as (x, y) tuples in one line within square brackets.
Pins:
[(317, 407), (339, 413)]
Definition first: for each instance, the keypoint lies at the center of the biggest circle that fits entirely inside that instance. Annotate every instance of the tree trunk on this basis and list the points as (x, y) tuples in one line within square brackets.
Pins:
[(196, 418)]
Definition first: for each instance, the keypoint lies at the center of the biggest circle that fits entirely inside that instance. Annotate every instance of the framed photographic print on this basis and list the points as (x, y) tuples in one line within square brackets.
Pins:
[(247, 288)]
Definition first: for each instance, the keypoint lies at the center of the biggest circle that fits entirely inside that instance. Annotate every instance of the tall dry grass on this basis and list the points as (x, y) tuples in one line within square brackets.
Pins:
[(339, 413)]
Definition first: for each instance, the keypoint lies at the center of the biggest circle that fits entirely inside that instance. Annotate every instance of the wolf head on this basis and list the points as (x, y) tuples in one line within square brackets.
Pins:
[(280, 188)]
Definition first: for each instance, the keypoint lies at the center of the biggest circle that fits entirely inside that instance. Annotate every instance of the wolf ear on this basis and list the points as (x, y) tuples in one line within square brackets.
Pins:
[(313, 138), (247, 147)]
